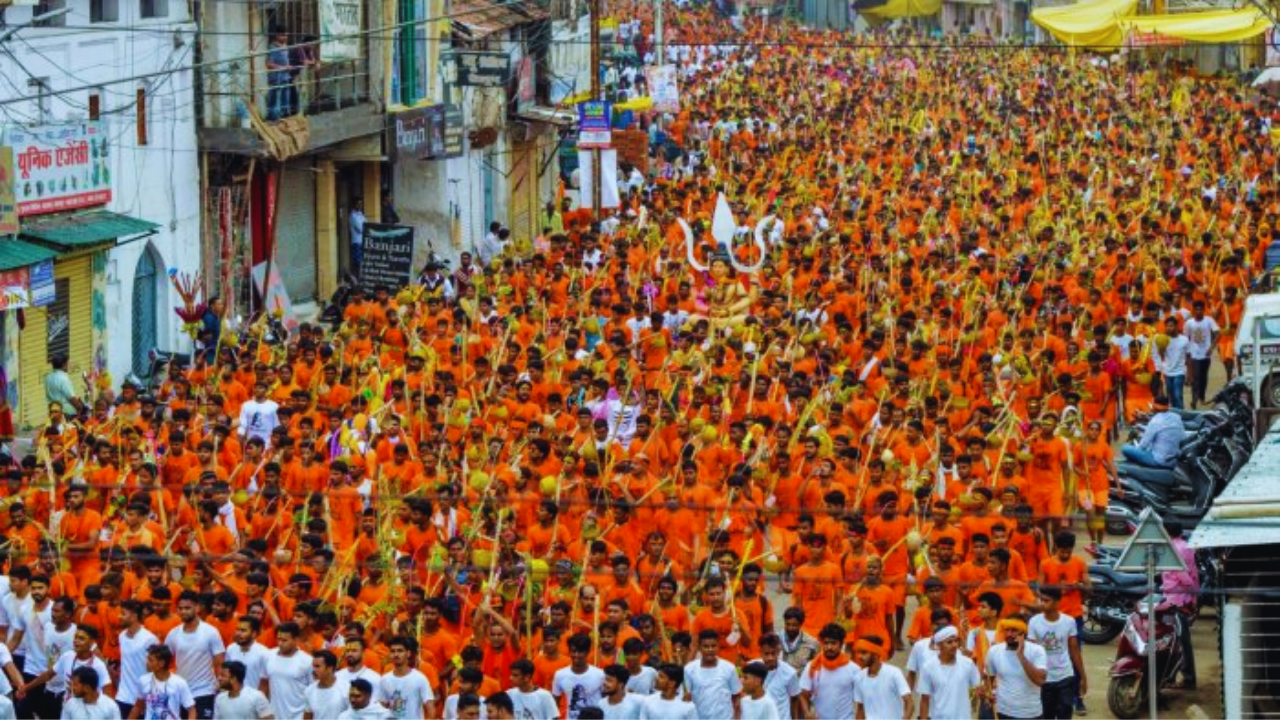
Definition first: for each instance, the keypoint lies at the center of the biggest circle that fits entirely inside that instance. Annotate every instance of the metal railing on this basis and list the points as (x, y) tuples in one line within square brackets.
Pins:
[(310, 89)]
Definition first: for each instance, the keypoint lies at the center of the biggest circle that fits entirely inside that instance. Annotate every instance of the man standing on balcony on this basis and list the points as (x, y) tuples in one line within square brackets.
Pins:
[(282, 97)]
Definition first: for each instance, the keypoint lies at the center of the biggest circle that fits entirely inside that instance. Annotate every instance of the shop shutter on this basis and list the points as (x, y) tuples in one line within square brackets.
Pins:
[(523, 212), (73, 323), (296, 233)]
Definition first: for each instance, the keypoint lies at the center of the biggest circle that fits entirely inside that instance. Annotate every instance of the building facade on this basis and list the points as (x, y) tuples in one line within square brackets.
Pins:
[(98, 115)]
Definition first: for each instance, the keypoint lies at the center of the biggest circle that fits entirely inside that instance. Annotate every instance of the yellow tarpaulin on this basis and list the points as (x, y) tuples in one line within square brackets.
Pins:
[(894, 9), (640, 104), (1092, 24), (1215, 26)]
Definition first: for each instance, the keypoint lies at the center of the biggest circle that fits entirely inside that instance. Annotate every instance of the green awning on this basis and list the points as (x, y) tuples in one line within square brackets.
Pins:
[(15, 253), (80, 230)]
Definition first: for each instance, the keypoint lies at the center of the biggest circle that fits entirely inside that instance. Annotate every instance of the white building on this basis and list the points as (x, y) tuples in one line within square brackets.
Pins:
[(117, 74)]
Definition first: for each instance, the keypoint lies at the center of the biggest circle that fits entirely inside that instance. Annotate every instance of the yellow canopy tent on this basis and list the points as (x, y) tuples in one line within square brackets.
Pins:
[(1215, 26), (894, 9), (1090, 24)]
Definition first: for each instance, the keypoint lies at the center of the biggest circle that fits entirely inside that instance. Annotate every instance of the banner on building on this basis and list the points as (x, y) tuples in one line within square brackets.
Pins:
[(664, 87), (1273, 46), (43, 288), (340, 30), (525, 90), (482, 69), (454, 132), (277, 297), (14, 289), (609, 196), (8, 201), (595, 120), (387, 256), (59, 167)]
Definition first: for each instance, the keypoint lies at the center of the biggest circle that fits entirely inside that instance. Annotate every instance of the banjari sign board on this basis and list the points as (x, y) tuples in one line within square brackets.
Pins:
[(388, 256)]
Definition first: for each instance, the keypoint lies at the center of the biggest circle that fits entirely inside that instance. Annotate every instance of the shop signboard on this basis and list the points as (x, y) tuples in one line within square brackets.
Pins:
[(60, 167), (387, 256), (595, 120)]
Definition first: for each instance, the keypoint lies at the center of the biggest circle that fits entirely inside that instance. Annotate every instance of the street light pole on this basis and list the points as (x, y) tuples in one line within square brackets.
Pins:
[(596, 6)]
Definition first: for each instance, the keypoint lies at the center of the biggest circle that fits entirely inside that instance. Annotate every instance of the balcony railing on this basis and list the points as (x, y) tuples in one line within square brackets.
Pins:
[(309, 88)]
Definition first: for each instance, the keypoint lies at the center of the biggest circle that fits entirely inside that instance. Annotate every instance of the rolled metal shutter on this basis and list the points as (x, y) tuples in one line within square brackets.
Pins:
[(296, 233), (74, 279)]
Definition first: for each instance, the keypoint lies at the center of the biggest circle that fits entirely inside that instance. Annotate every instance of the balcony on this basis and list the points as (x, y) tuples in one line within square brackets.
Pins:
[(293, 73)]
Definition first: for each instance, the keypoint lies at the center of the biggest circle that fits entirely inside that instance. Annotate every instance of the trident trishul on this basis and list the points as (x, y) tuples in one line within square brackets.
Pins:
[(722, 229)]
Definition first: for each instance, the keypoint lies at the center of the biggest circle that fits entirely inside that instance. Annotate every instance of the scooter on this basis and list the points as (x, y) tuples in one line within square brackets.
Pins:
[(1127, 693)]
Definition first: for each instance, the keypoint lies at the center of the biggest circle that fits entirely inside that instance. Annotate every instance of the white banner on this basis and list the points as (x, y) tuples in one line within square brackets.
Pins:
[(664, 87), (340, 30), (609, 197)]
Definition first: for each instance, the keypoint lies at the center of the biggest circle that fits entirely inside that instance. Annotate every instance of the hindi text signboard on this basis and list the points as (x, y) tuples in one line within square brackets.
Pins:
[(60, 167), (482, 69)]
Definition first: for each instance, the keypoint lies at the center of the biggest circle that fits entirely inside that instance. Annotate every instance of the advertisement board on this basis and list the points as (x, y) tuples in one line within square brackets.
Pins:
[(595, 120), (60, 167)]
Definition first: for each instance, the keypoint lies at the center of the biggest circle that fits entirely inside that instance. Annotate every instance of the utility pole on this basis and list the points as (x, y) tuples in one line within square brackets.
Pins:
[(659, 38), (596, 6)]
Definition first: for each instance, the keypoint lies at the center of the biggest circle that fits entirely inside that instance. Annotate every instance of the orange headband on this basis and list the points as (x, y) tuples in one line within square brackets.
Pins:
[(869, 647), (1013, 624)]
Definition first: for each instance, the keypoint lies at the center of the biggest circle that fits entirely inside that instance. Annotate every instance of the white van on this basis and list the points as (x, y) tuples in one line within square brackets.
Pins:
[(1264, 311)]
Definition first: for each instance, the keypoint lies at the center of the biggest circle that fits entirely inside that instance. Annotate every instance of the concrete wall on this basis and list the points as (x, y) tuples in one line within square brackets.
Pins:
[(158, 181)]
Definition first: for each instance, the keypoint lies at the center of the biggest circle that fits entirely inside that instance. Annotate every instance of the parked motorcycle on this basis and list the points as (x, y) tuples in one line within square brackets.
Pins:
[(1110, 602), (1127, 693)]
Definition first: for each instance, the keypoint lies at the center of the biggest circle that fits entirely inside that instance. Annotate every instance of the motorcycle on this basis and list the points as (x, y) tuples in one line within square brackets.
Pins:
[(1127, 692), (1111, 599), (332, 313)]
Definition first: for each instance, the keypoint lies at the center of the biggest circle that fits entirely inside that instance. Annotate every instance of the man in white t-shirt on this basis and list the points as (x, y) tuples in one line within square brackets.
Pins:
[(531, 702), (164, 693), (1202, 334), (616, 702), (363, 707), (259, 416), (711, 681), (87, 702), (882, 692), (246, 649), (327, 696), (288, 673), (405, 690), (197, 649), (756, 703), (945, 680), (667, 703), (783, 682), (924, 649), (236, 701), (1015, 671), (80, 655), (134, 641), (41, 642), (581, 683), (828, 682), (353, 657), (1059, 636)]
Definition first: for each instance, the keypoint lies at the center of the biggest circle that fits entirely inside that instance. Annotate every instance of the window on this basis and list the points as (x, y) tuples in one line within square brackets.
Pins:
[(104, 10), (155, 8), (48, 6)]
